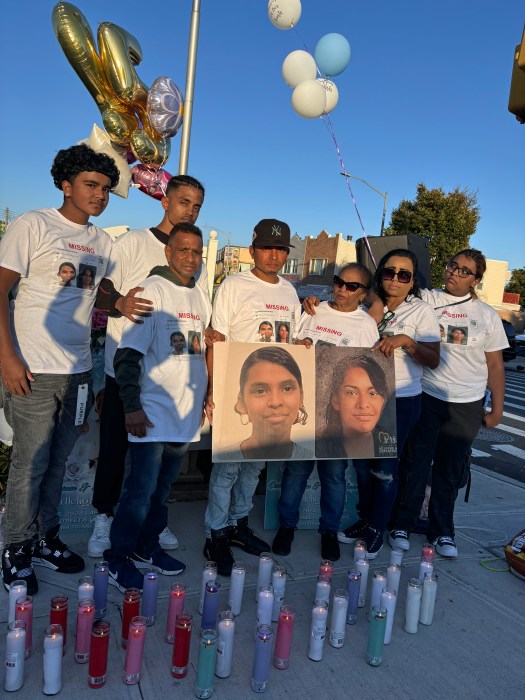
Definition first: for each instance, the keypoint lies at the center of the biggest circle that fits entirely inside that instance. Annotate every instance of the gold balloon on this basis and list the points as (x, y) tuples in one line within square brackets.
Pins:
[(149, 151)]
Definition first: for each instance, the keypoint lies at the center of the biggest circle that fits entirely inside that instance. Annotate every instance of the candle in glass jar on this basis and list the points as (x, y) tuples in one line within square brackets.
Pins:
[(130, 609), (209, 573), (53, 642), (58, 615), (24, 612), (396, 556), (15, 654), (413, 605), (181, 645), (16, 590), (262, 658), (427, 552), (425, 567), (264, 574), (86, 588), (265, 605), (376, 635), (134, 650), (318, 630), (326, 569), (389, 601), (100, 585), (225, 634), (353, 586), (393, 575), (362, 566), (85, 618), (323, 588), (150, 592), (338, 619), (236, 587), (210, 609), (378, 583), (279, 587), (428, 599), (359, 551), (283, 640), (206, 664), (98, 653), (175, 607)]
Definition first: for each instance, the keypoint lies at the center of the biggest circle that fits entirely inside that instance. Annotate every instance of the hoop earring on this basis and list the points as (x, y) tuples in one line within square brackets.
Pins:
[(244, 422), (302, 416)]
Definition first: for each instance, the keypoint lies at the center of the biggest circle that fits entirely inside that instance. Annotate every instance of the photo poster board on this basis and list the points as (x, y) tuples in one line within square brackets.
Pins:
[(295, 403)]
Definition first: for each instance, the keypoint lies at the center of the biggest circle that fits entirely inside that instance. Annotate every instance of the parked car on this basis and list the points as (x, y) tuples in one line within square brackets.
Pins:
[(510, 352)]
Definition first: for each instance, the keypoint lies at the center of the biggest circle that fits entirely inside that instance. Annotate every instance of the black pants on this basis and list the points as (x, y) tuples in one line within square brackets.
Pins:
[(442, 439), (113, 449)]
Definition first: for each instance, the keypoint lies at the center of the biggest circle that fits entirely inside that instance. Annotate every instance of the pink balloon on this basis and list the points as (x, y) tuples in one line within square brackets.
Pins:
[(150, 181)]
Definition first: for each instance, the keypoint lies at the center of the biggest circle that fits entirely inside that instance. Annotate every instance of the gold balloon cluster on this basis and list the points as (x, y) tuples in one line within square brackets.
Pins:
[(112, 81)]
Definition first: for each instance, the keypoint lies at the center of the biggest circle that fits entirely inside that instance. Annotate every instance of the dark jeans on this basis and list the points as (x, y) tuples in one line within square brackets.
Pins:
[(142, 513), (113, 448), (442, 438), (377, 478), (333, 489)]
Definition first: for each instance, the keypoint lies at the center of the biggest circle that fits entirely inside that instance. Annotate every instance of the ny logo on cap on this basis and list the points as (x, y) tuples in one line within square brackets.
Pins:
[(276, 231)]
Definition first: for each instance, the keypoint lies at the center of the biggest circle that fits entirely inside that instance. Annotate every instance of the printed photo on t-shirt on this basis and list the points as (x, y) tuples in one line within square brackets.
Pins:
[(66, 274), (194, 343), (86, 276), (457, 335), (442, 333), (177, 343), (283, 332), (265, 332)]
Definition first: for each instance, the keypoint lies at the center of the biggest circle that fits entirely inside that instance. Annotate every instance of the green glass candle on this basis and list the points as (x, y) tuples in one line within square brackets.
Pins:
[(376, 635), (206, 664)]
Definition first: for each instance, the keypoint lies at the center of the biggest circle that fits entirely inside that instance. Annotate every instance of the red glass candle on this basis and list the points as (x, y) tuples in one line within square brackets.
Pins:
[(326, 568), (98, 653), (130, 609), (176, 607), (283, 640), (24, 612), (58, 615), (181, 646), (85, 617)]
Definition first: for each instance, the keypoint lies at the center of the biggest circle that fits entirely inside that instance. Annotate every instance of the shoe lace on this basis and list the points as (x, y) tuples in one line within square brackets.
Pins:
[(400, 533), (446, 540)]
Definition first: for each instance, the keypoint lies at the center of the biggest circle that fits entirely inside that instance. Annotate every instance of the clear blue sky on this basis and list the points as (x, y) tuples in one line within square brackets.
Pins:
[(424, 99)]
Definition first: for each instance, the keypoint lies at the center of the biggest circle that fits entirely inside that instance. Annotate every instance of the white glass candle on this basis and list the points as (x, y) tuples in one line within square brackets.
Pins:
[(393, 574), (265, 605), (53, 643), (236, 588), (413, 605), (428, 599), (425, 567), (359, 551), (279, 587), (396, 556), (318, 630), (15, 652), (378, 583), (323, 588), (209, 573), (225, 634), (389, 601), (16, 590), (338, 619), (362, 567), (264, 575), (86, 588)]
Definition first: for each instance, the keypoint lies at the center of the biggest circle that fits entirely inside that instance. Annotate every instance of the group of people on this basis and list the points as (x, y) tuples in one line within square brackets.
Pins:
[(159, 382)]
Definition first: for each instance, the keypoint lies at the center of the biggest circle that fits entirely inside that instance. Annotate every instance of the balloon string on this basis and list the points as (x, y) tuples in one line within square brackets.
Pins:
[(306, 48)]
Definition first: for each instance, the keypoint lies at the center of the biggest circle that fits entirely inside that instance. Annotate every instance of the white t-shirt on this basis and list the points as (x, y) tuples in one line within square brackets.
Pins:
[(346, 328), (51, 310), (133, 256), (250, 310), (172, 387), (461, 376), (416, 319)]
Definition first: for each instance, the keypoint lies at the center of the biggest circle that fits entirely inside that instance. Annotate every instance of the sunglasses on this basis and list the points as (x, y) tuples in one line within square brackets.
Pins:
[(403, 276), (387, 316), (463, 272), (349, 286)]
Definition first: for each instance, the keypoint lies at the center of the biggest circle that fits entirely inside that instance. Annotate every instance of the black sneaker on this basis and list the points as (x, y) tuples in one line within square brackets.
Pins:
[(374, 542), (16, 565), (244, 537), (124, 574), (282, 542), (330, 546), (217, 549), (159, 561), (53, 553), (353, 533)]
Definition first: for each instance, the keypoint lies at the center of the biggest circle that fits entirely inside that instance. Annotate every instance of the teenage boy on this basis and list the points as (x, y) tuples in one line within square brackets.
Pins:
[(46, 359), (134, 254), (242, 302), (163, 395)]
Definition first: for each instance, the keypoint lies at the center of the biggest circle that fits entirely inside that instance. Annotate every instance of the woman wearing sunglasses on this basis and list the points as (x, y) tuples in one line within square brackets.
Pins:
[(410, 333), (452, 403), (338, 322)]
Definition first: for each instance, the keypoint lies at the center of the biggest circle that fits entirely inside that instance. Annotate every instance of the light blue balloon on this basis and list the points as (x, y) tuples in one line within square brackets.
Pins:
[(332, 54)]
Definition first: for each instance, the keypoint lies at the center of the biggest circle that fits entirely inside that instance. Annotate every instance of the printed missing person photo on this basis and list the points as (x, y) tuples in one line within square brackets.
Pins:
[(194, 343), (457, 335), (66, 274), (86, 276), (178, 343)]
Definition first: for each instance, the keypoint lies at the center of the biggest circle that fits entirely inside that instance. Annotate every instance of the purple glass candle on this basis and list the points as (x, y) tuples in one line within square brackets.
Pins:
[(149, 597), (175, 607), (210, 609), (353, 586), (100, 584), (262, 658)]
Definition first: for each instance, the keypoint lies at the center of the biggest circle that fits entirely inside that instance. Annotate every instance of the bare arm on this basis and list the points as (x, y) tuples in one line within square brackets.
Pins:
[(209, 405), (427, 354), (375, 306), (15, 373), (496, 382)]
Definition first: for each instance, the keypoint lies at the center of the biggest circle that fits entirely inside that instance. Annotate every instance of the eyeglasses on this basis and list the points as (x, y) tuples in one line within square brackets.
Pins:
[(462, 271), (387, 316), (403, 276), (349, 286)]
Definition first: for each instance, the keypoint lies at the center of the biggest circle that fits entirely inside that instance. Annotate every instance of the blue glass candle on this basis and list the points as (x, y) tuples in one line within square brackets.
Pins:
[(206, 664), (100, 588), (353, 586), (210, 608), (376, 635), (262, 658), (149, 597)]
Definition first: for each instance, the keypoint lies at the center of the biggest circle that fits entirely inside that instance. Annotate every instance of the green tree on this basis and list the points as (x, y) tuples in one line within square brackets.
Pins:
[(447, 219), (517, 284)]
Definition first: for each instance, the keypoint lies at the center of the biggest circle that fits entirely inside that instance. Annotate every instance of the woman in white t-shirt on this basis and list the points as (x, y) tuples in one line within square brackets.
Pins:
[(410, 333), (452, 403)]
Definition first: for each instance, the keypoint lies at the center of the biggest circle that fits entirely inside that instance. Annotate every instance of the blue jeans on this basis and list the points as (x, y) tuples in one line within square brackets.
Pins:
[(142, 513), (333, 489), (377, 478), (44, 434), (232, 485)]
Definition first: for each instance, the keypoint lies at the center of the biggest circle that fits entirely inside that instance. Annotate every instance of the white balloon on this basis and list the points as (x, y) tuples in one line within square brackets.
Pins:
[(284, 14), (298, 66), (100, 142), (309, 99), (332, 94)]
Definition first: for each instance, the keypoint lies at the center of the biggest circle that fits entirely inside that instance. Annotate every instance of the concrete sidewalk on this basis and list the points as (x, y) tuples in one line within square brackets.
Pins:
[(474, 648)]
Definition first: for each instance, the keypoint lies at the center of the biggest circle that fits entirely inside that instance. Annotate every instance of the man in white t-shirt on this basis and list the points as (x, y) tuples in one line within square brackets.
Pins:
[(163, 396), (243, 303), (134, 254), (45, 351)]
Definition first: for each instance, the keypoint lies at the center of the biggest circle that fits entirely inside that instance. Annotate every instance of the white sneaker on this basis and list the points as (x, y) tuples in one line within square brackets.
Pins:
[(99, 540), (167, 539), (399, 539), (446, 547)]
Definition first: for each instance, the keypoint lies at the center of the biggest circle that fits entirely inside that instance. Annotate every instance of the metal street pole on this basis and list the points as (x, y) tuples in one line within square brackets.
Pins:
[(383, 194), (190, 84)]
